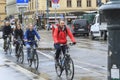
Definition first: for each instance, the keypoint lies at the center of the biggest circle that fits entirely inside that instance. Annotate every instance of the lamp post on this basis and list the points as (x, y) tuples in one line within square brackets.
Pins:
[(37, 9), (47, 12)]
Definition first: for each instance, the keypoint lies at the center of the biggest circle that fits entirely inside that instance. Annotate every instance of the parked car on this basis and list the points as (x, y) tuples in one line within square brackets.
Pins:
[(99, 28), (80, 26)]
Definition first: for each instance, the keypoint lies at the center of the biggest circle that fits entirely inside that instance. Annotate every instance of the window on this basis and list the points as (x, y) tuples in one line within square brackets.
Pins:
[(69, 3), (49, 3), (32, 4), (79, 3), (107, 1), (88, 3)]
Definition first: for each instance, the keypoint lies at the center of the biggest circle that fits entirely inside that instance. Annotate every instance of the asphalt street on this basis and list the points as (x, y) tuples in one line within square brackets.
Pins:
[(90, 59)]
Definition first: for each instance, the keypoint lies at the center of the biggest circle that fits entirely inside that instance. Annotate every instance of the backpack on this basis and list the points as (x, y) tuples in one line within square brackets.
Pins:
[(54, 26)]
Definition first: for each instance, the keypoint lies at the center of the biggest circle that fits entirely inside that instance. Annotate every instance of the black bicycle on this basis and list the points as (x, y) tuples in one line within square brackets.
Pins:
[(20, 53), (34, 56), (66, 63), (8, 45)]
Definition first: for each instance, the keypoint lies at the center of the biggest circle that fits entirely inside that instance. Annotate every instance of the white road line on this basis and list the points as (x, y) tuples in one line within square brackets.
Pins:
[(48, 56), (77, 66), (86, 63)]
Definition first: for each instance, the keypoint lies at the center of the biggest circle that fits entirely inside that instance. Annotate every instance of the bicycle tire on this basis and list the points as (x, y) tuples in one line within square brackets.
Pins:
[(68, 69), (58, 67), (10, 48), (36, 60), (21, 56), (6, 50)]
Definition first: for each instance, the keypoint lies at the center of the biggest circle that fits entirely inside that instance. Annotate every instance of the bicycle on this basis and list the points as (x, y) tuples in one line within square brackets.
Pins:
[(8, 46), (20, 53), (66, 63), (34, 56)]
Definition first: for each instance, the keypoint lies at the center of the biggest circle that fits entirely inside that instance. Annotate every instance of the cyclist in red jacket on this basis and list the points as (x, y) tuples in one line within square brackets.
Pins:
[(60, 37)]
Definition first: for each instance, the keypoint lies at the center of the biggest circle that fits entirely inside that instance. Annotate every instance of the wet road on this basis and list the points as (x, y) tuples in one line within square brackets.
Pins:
[(90, 59)]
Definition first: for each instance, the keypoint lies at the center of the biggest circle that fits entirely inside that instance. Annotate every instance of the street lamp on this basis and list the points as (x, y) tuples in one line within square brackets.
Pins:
[(47, 11), (36, 9)]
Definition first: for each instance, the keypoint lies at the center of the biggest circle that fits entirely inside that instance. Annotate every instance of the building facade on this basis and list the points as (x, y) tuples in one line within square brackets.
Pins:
[(67, 9), (2, 9), (66, 6), (11, 7)]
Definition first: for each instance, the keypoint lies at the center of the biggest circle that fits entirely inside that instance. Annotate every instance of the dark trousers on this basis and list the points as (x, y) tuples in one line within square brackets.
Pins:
[(59, 49), (17, 47)]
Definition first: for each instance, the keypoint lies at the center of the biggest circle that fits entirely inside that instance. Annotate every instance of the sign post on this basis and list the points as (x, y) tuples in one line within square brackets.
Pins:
[(22, 6), (55, 5)]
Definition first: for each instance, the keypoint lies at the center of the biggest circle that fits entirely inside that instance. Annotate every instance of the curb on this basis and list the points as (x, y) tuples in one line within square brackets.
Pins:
[(45, 48), (25, 71)]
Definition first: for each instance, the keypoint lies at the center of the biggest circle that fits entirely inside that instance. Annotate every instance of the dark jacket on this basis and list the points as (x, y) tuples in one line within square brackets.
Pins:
[(7, 30), (18, 33)]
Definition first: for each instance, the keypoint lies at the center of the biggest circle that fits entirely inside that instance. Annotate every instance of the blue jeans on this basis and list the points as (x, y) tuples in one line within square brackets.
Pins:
[(28, 51)]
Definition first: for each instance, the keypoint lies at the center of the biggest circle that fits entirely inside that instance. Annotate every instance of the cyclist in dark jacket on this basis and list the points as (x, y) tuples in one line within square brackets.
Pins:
[(18, 35), (7, 31)]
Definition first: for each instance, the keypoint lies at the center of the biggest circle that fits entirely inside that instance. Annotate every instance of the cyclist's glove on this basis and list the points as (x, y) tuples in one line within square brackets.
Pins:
[(74, 43)]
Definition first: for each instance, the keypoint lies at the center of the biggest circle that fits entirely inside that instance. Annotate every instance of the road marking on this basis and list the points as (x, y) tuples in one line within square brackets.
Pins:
[(48, 56), (86, 63), (86, 69)]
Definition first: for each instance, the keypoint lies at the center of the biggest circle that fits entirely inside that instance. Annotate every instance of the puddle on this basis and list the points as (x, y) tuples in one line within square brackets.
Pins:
[(6, 65), (35, 77), (7, 61), (87, 78)]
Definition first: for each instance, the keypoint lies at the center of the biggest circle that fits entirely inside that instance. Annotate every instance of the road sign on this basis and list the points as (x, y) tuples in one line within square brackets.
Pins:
[(22, 2), (55, 5), (55, 1)]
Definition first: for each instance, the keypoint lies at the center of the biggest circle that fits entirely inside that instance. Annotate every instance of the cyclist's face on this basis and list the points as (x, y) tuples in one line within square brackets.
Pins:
[(18, 27), (31, 27), (7, 23), (62, 23)]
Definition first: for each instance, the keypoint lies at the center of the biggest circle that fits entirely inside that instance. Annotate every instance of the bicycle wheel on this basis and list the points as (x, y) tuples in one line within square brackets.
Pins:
[(21, 56), (10, 48), (58, 67), (69, 68), (6, 49), (36, 60)]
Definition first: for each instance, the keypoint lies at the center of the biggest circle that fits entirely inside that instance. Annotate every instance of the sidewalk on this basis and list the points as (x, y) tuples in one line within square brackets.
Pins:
[(46, 42), (11, 71)]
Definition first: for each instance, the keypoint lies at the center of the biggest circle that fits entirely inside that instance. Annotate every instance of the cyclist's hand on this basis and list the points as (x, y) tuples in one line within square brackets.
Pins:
[(14, 39), (25, 40)]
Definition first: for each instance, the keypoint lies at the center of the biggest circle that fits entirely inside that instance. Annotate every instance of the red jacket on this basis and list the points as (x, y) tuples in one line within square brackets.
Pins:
[(61, 36)]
